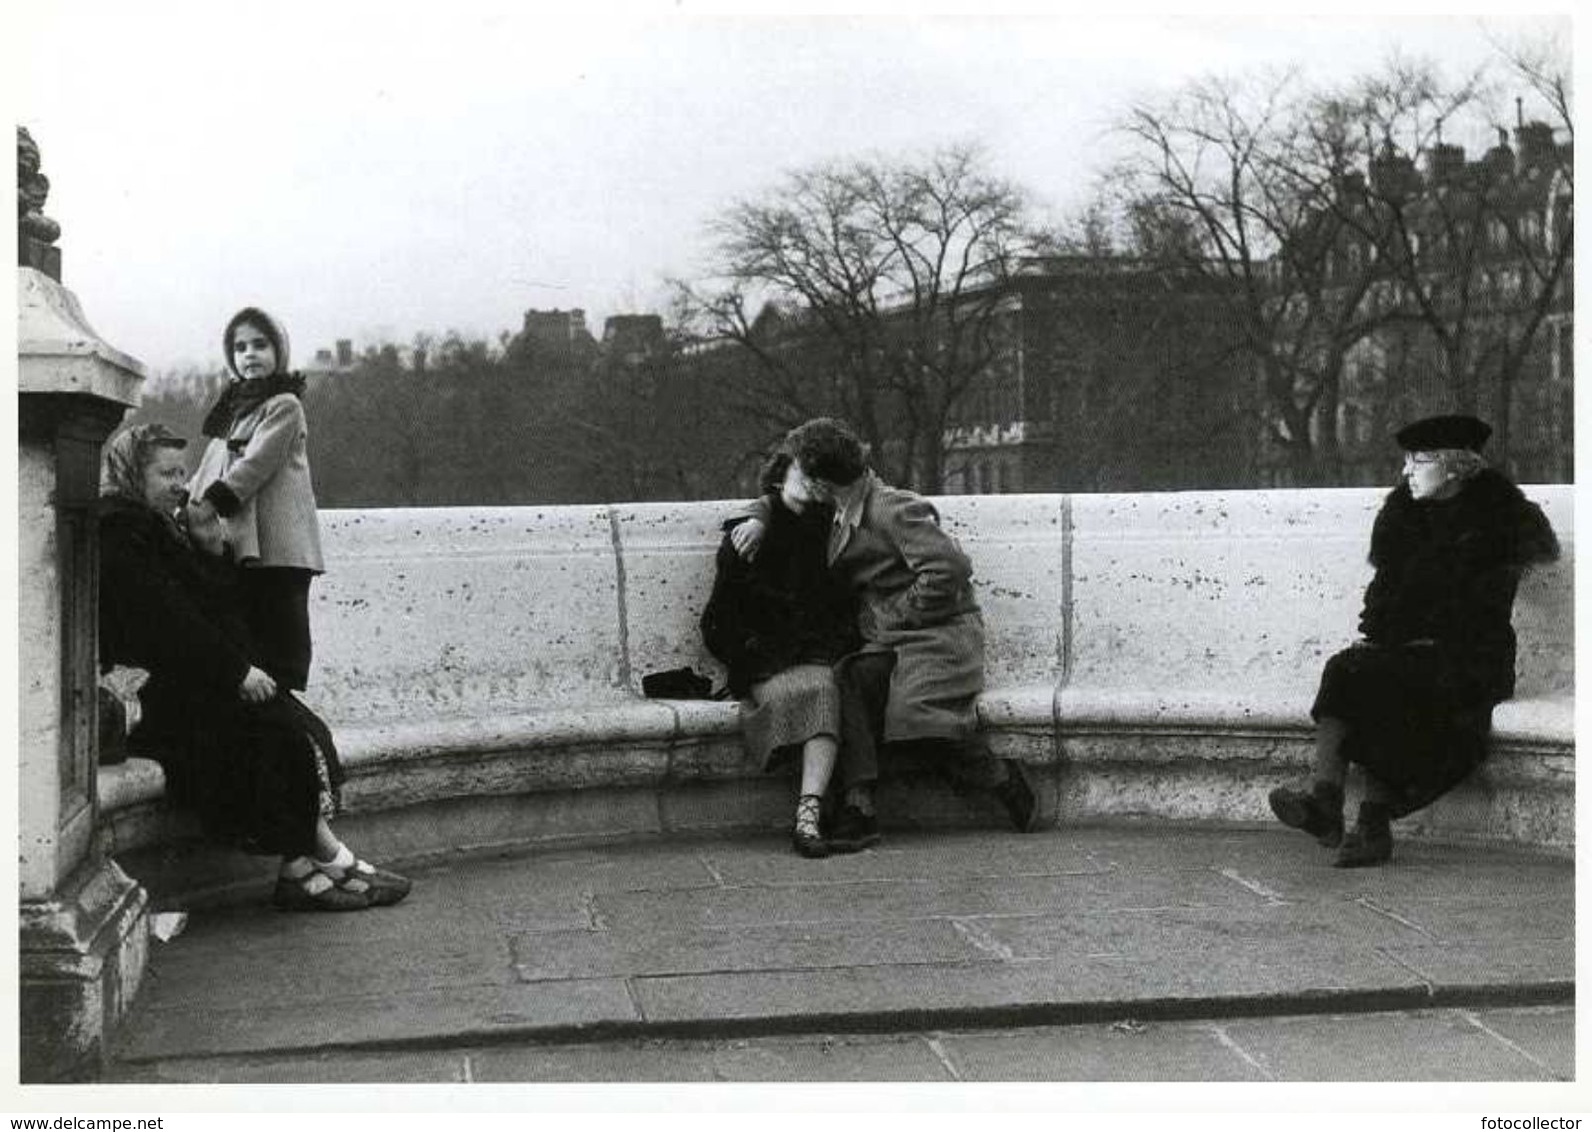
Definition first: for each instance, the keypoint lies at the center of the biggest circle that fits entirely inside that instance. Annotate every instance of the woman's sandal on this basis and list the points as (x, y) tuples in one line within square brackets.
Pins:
[(319, 891), (806, 838), (385, 887)]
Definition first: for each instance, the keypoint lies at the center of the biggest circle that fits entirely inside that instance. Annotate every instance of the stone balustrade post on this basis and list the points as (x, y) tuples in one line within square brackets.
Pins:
[(83, 929)]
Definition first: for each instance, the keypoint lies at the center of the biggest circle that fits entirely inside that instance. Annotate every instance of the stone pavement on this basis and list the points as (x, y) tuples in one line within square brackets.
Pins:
[(1088, 953)]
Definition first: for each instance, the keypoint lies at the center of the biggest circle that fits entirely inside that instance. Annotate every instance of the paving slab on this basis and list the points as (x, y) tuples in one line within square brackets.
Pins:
[(1473, 919), (1297, 869), (828, 1058), (912, 856), (735, 937), (599, 954), (443, 1016), (894, 898), (1512, 963), (1171, 935), (1122, 1051), (243, 979), (1419, 1046), (395, 1067), (1083, 986), (1544, 1035)]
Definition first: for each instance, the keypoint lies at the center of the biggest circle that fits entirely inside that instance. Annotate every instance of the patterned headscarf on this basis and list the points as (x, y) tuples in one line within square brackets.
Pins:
[(128, 454)]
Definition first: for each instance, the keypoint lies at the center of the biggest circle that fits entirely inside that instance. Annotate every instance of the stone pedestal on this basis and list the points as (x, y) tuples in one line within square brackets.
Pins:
[(38, 254), (82, 923)]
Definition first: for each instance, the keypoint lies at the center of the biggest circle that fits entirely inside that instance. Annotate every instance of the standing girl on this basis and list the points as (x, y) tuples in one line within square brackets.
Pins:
[(255, 476)]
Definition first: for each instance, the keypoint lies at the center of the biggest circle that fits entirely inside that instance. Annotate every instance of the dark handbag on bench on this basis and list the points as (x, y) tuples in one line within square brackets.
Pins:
[(676, 684)]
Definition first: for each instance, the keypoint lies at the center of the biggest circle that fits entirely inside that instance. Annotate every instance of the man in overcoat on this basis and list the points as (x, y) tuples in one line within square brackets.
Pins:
[(914, 683)]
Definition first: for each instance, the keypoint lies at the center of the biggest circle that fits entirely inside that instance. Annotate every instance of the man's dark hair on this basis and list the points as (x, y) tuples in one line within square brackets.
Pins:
[(828, 449)]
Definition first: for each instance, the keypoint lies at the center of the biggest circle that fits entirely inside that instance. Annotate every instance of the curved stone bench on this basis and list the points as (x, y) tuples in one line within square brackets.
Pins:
[(1149, 656)]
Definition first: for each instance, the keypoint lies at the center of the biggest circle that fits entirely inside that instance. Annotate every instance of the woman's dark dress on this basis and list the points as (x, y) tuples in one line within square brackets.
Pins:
[(1439, 646), (250, 771)]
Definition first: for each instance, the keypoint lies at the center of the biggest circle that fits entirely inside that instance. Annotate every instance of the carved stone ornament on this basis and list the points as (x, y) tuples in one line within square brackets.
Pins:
[(33, 188)]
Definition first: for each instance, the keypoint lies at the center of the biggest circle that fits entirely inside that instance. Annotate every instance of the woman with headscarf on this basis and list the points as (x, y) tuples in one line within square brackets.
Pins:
[(779, 623), (255, 477), (1411, 702), (258, 767)]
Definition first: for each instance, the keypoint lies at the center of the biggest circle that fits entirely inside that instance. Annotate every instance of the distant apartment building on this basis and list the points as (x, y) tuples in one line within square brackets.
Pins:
[(633, 338), (338, 360), (1467, 273), (1110, 376), (558, 330)]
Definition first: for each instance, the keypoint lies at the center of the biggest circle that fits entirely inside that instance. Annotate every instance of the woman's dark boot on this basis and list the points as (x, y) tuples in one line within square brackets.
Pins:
[(1370, 842), (1317, 811)]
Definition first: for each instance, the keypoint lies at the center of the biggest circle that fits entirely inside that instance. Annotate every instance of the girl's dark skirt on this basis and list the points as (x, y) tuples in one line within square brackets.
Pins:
[(1414, 721)]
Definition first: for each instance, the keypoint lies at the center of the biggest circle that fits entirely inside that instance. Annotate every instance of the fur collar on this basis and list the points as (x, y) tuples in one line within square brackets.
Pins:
[(1491, 515)]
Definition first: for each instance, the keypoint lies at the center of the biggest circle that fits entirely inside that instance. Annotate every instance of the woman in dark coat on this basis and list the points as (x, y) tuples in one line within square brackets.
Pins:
[(1411, 703), (779, 623), (258, 767)]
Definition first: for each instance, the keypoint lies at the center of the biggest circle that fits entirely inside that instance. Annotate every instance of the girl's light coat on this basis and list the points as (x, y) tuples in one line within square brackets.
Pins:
[(264, 461)]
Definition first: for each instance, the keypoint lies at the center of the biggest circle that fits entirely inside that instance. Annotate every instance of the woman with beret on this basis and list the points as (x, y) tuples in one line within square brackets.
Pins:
[(779, 623), (1411, 702), (258, 767)]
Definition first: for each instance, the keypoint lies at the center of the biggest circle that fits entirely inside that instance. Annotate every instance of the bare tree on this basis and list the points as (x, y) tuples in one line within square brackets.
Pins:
[(869, 289), (1477, 254), (1314, 209), (1213, 187)]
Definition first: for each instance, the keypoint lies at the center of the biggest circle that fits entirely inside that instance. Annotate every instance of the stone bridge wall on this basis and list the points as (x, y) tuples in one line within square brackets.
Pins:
[(1151, 656)]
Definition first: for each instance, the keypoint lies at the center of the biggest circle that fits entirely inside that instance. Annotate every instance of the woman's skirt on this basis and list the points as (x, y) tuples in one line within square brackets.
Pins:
[(1414, 721), (258, 776), (788, 709)]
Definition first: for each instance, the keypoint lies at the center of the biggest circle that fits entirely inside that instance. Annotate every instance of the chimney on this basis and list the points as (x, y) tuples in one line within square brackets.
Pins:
[(1499, 161), (1534, 141), (1444, 163)]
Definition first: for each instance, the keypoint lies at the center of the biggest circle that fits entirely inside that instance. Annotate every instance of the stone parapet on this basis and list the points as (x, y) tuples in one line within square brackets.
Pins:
[(1148, 656)]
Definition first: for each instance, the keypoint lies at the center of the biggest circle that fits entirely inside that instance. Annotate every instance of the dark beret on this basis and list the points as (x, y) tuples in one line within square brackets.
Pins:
[(1450, 431)]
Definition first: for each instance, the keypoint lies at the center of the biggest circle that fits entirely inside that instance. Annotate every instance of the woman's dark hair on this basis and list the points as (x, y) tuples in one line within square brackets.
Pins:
[(772, 476), (828, 449)]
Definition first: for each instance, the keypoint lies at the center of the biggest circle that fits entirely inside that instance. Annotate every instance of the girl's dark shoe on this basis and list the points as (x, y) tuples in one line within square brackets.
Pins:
[(806, 838), (1370, 842), (1317, 811), (853, 830)]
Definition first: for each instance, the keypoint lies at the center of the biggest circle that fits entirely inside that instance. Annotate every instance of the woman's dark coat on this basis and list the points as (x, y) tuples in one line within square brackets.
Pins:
[(783, 608), (1439, 647), (249, 770)]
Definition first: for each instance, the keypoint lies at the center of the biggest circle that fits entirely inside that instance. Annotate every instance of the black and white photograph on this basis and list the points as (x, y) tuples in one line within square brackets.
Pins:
[(685, 559)]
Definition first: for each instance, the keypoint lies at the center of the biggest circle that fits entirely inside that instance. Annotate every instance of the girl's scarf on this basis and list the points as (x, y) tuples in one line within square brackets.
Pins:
[(240, 398)]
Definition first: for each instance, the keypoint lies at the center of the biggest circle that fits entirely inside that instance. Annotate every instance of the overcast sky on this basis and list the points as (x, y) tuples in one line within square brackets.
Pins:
[(372, 170)]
